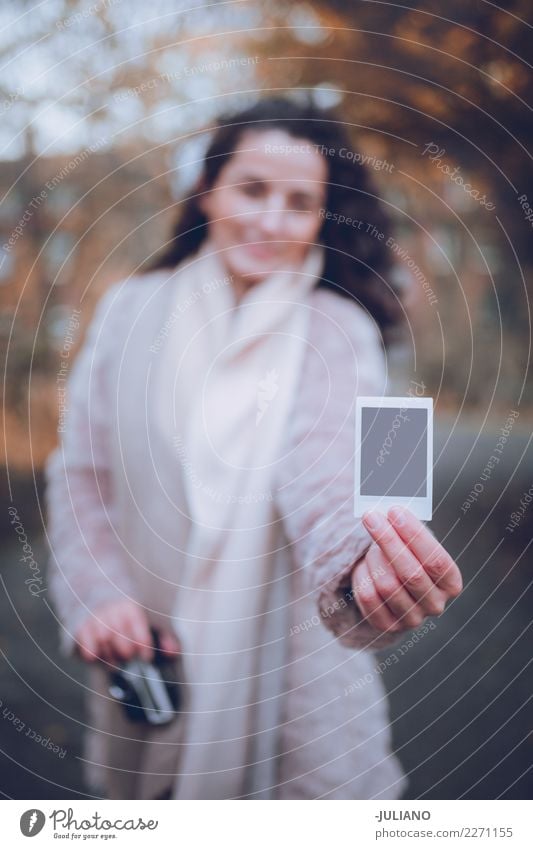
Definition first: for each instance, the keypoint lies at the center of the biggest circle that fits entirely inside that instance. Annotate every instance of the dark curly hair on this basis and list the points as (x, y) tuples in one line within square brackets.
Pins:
[(356, 263)]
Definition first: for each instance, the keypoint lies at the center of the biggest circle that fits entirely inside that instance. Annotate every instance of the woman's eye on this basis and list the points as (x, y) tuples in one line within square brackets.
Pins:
[(252, 190), (303, 203)]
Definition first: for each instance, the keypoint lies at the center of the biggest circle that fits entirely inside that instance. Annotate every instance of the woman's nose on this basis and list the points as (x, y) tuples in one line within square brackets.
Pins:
[(271, 217)]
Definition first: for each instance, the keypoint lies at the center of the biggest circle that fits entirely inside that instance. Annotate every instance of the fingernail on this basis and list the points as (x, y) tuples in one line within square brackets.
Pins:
[(372, 520), (397, 516)]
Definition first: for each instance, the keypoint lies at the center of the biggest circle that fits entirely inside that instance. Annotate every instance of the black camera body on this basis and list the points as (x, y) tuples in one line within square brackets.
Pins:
[(149, 691)]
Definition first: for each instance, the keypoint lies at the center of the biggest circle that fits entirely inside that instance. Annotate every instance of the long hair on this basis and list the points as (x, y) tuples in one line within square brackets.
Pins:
[(357, 261)]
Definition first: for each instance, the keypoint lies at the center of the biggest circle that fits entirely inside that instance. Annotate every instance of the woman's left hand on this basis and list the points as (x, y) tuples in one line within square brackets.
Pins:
[(406, 574)]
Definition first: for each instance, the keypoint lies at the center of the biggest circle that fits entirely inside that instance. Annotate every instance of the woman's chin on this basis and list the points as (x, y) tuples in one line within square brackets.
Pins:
[(250, 267)]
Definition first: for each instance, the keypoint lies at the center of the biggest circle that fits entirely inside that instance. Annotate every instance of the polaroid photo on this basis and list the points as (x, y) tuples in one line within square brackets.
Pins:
[(394, 454)]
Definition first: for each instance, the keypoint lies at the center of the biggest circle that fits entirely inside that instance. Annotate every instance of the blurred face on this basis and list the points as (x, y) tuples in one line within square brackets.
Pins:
[(263, 210)]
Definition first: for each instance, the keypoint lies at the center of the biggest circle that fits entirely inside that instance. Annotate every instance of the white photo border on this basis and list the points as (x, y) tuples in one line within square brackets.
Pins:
[(422, 506)]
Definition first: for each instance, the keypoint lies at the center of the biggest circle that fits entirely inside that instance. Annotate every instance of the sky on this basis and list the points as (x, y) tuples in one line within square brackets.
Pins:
[(71, 74)]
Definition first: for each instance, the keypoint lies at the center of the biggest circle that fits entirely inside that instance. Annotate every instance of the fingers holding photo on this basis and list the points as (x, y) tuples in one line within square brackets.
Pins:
[(407, 568), (408, 607), (437, 562), (369, 601), (421, 562)]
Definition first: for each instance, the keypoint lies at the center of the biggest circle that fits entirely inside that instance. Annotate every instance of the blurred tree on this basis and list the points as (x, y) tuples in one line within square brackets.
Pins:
[(106, 94)]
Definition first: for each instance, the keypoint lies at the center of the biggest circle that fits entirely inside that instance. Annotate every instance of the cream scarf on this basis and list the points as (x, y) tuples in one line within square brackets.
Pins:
[(232, 373)]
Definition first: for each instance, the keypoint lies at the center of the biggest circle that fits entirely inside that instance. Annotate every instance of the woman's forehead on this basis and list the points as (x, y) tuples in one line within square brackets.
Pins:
[(274, 154)]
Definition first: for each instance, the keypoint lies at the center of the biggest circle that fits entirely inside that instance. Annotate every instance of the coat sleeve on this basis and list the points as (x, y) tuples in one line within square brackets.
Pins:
[(85, 565), (315, 483)]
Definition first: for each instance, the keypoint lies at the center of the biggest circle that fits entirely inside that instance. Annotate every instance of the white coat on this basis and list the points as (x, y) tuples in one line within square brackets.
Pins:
[(109, 537)]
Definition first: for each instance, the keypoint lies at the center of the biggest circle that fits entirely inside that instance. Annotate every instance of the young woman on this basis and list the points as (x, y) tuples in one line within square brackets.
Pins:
[(204, 484)]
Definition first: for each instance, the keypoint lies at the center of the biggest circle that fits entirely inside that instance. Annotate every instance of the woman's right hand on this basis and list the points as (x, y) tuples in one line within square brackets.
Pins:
[(118, 631)]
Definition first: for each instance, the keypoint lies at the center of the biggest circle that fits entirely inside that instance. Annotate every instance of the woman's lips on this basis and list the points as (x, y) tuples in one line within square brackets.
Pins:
[(260, 251)]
